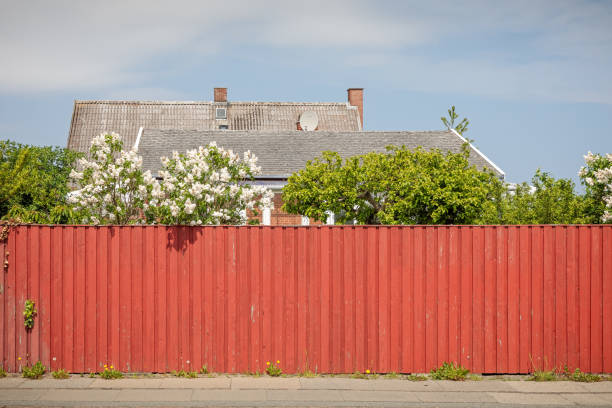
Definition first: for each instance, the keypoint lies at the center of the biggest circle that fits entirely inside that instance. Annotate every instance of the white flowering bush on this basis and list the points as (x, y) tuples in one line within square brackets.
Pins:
[(597, 179), (113, 189), (209, 185)]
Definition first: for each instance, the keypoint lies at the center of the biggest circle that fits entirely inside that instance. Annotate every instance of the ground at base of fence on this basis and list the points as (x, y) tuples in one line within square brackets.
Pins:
[(294, 391)]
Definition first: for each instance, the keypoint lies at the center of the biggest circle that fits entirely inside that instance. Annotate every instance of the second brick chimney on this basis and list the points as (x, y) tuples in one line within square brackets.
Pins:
[(220, 94), (355, 98)]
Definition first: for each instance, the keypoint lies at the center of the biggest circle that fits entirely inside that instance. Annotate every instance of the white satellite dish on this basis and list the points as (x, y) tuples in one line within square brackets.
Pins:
[(309, 120)]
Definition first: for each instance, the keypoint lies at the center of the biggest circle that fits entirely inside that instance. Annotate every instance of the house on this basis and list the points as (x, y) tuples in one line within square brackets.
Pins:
[(273, 131)]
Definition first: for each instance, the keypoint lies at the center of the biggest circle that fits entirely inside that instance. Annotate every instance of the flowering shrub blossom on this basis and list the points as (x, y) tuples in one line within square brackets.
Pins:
[(113, 187), (209, 185), (204, 186), (597, 178)]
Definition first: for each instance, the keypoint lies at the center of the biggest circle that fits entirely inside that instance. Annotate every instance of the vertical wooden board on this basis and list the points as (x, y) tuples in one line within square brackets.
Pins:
[(336, 281), (21, 293), (302, 282), (360, 299), (560, 296), (395, 304), (91, 317), (34, 290), (68, 300), (383, 300), (208, 282), (114, 296), (467, 298), (548, 308), (10, 308), (537, 296), (431, 298), (490, 303), (278, 301), (3, 322), (244, 314), (161, 299), (45, 297), (125, 298), (478, 305), (573, 304), (407, 300), (137, 258), (79, 301), (289, 307), (148, 308), (348, 311), (56, 298), (607, 299), (419, 300), (525, 317), (255, 294), (196, 270), (315, 301), (454, 292), (102, 279), (267, 288), (501, 317), (326, 259), (596, 299), (372, 306), (184, 288), (220, 313), (513, 300), (584, 273), (442, 295), (173, 287)]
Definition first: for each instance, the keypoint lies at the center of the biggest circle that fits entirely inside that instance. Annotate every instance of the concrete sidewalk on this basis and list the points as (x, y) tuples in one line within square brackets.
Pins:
[(294, 391)]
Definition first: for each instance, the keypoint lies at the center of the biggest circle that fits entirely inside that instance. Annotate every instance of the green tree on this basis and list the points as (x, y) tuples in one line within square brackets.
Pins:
[(596, 177), (449, 122), (401, 186), (33, 182), (546, 201)]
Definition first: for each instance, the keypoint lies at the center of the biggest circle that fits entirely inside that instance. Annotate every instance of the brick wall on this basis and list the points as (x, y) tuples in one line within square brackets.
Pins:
[(280, 217)]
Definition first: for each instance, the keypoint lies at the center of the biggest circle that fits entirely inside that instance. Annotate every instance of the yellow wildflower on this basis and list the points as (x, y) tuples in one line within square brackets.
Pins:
[(277, 361), (105, 366), (112, 367), (267, 362), (367, 371), (18, 358)]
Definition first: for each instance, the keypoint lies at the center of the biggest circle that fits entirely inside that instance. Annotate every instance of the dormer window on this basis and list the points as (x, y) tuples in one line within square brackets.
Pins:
[(221, 113)]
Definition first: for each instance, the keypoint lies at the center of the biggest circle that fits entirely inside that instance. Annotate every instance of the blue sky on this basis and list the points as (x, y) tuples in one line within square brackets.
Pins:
[(534, 78)]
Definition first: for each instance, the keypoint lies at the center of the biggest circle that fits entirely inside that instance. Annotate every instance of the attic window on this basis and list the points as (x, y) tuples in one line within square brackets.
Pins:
[(221, 113), (223, 127)]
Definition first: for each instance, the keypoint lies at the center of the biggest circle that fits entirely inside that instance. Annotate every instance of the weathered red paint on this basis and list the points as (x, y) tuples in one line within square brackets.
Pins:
[(496, 299)]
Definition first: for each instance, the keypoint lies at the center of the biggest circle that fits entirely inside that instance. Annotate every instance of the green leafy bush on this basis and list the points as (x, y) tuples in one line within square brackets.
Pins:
[(579, 376), (185, 374), (60, 374), (29, 313), (110, 373), (273, 369), (34, 372), (449, 371)]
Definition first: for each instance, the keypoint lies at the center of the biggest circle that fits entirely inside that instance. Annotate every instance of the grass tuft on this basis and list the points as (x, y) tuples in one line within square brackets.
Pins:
[(449, 371)]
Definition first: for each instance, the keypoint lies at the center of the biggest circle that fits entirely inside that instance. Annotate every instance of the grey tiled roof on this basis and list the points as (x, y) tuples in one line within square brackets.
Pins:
[(284, 152), (90, 118)]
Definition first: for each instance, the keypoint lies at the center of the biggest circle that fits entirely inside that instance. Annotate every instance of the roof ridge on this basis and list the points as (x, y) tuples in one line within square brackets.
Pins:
[(136, 102)]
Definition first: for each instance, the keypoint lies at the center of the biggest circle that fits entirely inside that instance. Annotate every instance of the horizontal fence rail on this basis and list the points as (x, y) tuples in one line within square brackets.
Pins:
[(330, 299)]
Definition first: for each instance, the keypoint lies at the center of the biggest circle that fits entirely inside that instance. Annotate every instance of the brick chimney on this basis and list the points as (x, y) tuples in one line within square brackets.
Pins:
[(355, 98), (220, 94)]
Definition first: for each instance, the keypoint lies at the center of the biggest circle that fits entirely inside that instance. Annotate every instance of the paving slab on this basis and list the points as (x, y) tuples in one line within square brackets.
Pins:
[(74, 382), (90, 395), (403, 385), (205, 383), (593, 399), (475, 386), (154, 395), (518, 398), (546, 386), (11, 382), (602, 386), (331, 383), (379, 396), (229, 395), (126, 383), (455, 397), (304, 395), (20, 395), (265, 383)]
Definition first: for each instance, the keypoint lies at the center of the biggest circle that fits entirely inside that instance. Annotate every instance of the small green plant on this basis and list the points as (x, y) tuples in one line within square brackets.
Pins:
[(110, 373), (416, 377), (358, 375), (392, 375), (184, 374), (579, 376), (475, 377), (204, 369), (449, 371), (273, 370), (307, 373), (29, 312), (540, 375), (34, 372), (60, 374), (2, 372), (92, 375)]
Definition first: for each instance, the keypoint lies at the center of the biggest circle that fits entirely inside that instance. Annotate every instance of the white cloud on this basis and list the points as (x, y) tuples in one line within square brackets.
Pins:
[(553, 50)]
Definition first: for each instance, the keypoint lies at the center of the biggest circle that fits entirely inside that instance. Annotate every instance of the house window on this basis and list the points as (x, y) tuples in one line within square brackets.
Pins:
[(223, 127), (221, 113)]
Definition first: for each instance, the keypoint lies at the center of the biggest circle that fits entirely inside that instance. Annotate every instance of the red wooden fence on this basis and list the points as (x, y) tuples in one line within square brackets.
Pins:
[(496, 299)]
